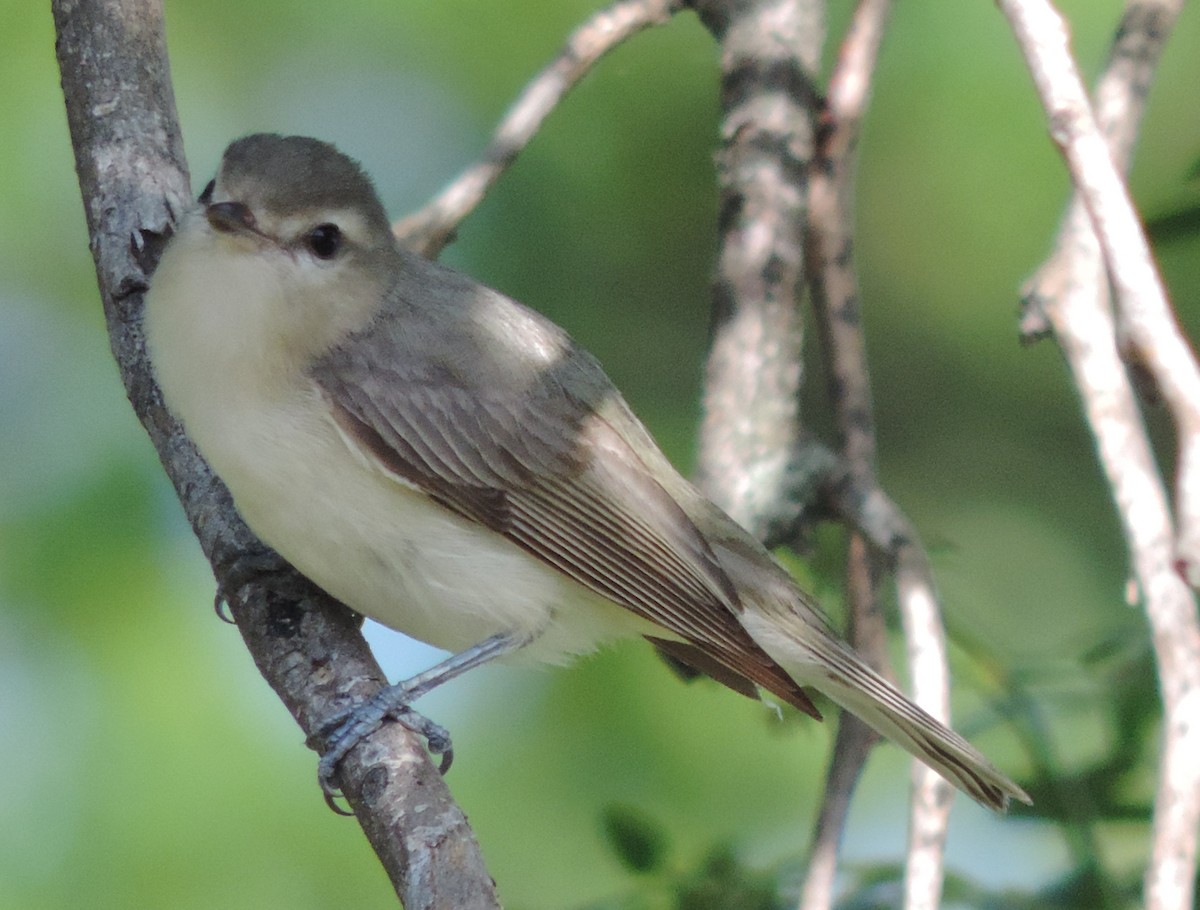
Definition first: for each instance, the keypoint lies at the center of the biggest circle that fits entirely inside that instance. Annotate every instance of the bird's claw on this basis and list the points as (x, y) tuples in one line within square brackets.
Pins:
[(346, 730), (242, 569)]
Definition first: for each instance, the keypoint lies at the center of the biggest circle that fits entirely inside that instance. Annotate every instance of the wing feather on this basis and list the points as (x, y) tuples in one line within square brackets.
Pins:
[(545, 469)]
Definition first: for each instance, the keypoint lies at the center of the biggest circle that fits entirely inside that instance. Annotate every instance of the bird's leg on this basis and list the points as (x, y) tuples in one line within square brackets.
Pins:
[(347, 729)]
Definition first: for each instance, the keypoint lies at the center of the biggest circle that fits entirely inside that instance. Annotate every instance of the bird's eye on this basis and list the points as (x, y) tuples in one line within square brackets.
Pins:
[(206, 196), (324, 240)]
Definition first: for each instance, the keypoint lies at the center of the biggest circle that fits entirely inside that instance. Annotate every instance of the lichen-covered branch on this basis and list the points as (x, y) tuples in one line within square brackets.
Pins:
[(785, 173), (133, 178), (749, 439)]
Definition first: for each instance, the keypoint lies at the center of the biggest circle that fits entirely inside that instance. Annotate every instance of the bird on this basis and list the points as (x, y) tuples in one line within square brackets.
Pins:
[(450, 463)]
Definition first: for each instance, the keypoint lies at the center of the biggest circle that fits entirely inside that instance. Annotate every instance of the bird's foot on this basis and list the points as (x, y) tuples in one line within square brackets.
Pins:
[(348, 729)]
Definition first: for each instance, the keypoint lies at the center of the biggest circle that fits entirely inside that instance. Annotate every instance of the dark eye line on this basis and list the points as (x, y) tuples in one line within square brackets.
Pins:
[(206, 194)]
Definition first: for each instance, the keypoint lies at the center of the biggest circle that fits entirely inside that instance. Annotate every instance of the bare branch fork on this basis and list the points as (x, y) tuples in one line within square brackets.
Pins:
[(785, 173), (1101, 241), (1147, 321)]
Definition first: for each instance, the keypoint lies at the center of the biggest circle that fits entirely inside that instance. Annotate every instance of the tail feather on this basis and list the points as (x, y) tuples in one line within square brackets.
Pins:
[(816, 659)]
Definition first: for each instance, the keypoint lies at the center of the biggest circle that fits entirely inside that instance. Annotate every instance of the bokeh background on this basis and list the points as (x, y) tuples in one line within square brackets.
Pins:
[(145, 764)]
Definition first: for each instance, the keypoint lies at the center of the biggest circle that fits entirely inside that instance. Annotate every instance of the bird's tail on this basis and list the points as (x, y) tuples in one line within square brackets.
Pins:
[(814, 658)]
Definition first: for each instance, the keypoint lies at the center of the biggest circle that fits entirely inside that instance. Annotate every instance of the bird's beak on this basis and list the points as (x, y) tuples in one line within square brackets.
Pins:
[(231, 217)]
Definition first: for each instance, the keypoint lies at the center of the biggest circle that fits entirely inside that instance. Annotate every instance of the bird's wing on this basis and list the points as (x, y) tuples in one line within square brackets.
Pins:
[(550, 473)]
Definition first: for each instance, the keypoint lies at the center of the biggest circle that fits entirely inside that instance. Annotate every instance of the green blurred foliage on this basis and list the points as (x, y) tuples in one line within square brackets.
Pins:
[(146, 765), (639, 842)]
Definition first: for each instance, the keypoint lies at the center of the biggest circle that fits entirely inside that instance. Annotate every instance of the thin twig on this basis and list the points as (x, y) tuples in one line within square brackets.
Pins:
[(836, 305), (133, 178), (834, 287), (854, 739), (1085, 330), (1147, 323), (830, 249), (871, 512), (1070, 290), (1120, 102), (433, 227), (932, 797)]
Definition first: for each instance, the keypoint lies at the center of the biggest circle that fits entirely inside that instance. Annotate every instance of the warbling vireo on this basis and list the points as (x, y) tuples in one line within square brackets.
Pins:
[(449, 463)]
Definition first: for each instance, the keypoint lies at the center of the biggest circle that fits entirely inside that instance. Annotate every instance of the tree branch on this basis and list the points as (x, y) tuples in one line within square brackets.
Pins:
[(854, 739), (752, 459), (866, 508), (1069, 291), (836, 303), (133, 178), (1148, 324), (835, 300), (749, 446), (1120, 102), (433, 227)]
